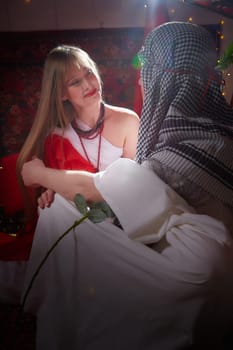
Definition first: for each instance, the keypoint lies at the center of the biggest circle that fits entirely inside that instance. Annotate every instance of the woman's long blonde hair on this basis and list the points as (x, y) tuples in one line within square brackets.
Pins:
[(52, 110)]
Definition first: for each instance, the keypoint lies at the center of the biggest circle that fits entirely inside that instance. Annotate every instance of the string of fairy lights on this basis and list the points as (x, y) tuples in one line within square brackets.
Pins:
[(174, 15), (228, 73)]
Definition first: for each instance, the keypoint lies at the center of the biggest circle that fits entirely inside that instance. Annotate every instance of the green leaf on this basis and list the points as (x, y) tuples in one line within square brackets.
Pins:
[(81, 204), (226, 59), (107, 210), (104, 207), (229, 50), (96, 215)]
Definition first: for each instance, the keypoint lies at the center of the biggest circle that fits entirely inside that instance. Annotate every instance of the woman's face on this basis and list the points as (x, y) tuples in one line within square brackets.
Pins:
[(82, 87)]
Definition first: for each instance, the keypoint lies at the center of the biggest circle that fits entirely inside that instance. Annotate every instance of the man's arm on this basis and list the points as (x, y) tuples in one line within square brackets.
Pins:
[(65, 182)]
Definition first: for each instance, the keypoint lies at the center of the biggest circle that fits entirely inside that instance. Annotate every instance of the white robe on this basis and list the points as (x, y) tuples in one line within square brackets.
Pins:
[(102, 288)]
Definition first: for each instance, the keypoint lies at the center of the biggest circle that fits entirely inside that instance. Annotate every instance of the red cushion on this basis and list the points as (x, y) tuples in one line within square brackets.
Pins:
[(13, 247), (16, 248), (10, 195)]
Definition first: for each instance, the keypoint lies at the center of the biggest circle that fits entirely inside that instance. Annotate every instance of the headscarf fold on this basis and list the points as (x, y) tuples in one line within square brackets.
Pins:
[(186, 123)]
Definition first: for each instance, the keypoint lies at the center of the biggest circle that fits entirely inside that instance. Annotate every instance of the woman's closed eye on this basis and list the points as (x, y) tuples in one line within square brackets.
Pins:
[(75, 82), (78, 81)]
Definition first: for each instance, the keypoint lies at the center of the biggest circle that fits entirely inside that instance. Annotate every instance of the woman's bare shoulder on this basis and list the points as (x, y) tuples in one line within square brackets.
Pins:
[(117, 112)]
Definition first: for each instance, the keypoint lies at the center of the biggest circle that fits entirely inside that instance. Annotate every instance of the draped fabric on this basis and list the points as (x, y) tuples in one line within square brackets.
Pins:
[(64, 150), (101, 288), (186, 123), (60, 154)]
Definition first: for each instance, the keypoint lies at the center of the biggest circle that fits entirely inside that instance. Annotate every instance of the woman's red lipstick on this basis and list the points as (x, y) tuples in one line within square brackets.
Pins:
[(91, 93)]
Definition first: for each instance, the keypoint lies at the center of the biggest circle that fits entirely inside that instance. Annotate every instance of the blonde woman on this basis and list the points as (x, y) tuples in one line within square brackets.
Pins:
[(73, 127)]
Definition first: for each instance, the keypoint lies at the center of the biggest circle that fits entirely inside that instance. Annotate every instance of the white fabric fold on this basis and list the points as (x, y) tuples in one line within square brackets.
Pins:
[(143, 203), (101, 289)]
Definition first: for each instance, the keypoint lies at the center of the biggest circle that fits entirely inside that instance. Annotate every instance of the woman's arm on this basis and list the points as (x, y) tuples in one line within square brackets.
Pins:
[(65, 182), (131, 136)]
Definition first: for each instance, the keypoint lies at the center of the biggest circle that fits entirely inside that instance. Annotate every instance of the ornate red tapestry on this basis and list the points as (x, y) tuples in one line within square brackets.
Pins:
[(22, 57)]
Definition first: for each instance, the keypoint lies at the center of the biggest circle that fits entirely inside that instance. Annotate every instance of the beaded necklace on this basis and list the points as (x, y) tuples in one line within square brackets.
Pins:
[(92, 134)]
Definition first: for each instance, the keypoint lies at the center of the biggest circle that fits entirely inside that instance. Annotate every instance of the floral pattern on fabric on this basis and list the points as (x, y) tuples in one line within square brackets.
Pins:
[(22, 56)]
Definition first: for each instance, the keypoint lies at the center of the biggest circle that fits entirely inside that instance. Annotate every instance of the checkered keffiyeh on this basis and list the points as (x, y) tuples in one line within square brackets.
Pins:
[(186, 123)]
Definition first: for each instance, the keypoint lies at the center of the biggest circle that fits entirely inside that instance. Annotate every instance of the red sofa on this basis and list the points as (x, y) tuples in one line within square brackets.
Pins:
[(15, 236)]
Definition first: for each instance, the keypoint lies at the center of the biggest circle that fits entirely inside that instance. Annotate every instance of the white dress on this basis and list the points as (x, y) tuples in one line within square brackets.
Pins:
[(103, 288), (12, 272)]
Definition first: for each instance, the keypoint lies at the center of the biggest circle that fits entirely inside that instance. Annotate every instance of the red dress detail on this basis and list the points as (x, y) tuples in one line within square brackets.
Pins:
[(60, 154)]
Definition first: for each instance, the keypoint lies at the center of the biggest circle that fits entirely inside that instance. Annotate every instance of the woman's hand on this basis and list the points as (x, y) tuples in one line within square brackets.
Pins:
[(31, 171), (46, 199)]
